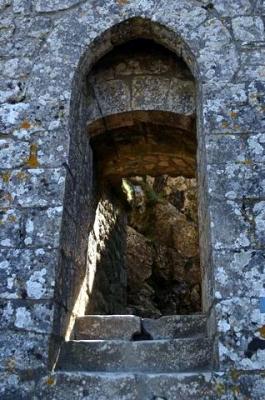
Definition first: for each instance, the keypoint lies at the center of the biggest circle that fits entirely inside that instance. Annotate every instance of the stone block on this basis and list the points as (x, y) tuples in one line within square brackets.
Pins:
[(142, 356), (233, 181), (223, 149), (26, 316), (259, 217), (150, 93), (27, 274), (23, 351), (230, 228), (13, 154), (43, 227), (100, 327), (226, 110), (248, 29), (181, 97), (256, 147), (54, 5), (11, 224), (22, 6), (239, 273), (226, 8), (113, 96), (34, 187), (177, 326), (240, 327)]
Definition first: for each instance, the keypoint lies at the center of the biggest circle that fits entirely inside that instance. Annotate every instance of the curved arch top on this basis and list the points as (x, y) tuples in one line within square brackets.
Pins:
[(92, 30)]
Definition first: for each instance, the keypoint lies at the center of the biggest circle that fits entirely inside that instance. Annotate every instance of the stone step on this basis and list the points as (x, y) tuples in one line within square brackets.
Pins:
[(175, 326), (106, 327), (126, 327), (117, 386), (142, 356)]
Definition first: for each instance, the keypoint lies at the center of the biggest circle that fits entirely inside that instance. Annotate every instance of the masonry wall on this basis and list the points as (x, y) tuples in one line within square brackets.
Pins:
[(44, 47)]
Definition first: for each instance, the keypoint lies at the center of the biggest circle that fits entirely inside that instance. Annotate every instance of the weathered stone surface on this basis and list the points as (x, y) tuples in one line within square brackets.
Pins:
[(248, 29), (175, 326), (162, 260), (259, 215), (22, 6), (12, 156), (148, 386), (51, 5), (111, 327), (239, 273), (42, 229), (27, 274), (241, 326), (227, 8), (33, 187), (23, 351), (11, 223), (221, 41), (16, 314), (230, 227), (143, 356), (235, 181)]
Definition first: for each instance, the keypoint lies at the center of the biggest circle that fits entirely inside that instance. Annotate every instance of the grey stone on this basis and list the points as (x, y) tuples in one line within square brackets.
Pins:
[(234, 181), (239, 273), (22, 6), (35, 187), (23, 351), (179, 326), (150, 93), (36, 318), (11, 232), (248, 29), (259, 215), (149, 386), (230, 227), (12, 155), (48, 58), (227, 8), (54, 5), (143, 356), (42, 229), (97, 327), (27, 273), (4, 4)]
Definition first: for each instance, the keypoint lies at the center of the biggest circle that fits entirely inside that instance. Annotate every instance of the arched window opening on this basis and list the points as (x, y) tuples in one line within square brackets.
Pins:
[(143, 251)]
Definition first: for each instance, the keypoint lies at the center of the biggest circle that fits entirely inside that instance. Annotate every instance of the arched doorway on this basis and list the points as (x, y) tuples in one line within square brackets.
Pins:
[(131, 123), (143, 252)]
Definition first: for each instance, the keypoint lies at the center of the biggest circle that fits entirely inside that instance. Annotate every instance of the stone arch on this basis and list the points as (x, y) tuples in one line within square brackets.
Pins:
[(72, 48)]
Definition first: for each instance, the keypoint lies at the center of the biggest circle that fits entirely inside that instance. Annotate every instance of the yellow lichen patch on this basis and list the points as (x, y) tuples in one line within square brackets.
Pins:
[(50, 381), (33, 157), (236, 390), (25, 125), (225, 124), (262, 331), (220, 389), (12, 218), (122, 2), (7, 197), (21, 175), (6, 176), (10, 364), (235, 374), (234, 114), (247, 162)]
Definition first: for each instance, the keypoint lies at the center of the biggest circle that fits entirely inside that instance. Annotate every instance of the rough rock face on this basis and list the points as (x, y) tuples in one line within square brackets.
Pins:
[(162, 246)]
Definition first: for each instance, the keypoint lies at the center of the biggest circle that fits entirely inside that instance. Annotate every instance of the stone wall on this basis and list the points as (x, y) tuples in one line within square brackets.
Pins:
[(163, 247), (107, 275), (46, 49)]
